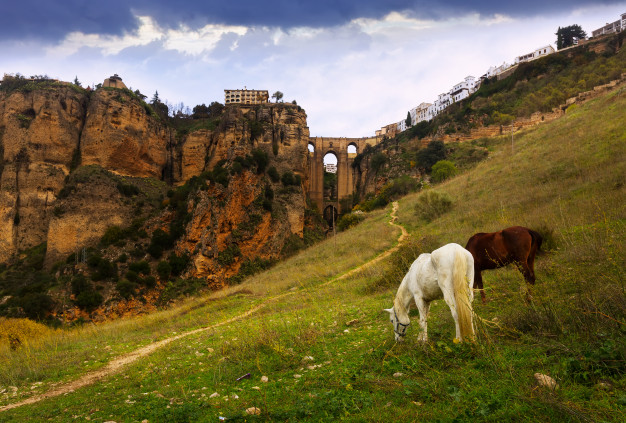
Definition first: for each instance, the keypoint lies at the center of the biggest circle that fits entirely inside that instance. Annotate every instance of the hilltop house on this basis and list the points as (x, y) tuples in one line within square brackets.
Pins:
[(540, 52), (609, 28), (246, 96), (114, 82)]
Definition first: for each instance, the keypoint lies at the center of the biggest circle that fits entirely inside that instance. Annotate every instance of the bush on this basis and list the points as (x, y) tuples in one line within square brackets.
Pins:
[(378, 161), (112, 235), (432, 204), (80, 284), (443, 170), (349, 220), (228, 255), (164, 270), (273, 174), (288, 178), (89, 300), (261, 159), (36, 306), (160, 241), (178, 264), (15, 332), (127, 190), (434, 152), (126, 288), (141, 267)]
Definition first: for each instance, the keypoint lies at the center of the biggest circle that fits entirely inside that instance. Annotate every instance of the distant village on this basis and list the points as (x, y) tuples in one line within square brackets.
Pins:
[(427, 111)]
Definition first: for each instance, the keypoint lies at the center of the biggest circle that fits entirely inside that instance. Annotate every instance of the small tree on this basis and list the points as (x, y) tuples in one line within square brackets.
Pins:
[(408, 119), (443, 170), (278, 96), (566, 36), (77, 82)]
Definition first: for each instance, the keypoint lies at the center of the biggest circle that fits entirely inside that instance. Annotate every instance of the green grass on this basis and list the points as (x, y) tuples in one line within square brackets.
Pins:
[(327, 349)]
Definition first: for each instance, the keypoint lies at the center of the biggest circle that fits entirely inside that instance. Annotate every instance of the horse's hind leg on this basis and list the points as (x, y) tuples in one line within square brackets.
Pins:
[(478, 284), (423, 308)]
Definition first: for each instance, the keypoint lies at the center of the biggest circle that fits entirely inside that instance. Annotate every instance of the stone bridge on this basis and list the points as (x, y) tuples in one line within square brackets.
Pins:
[(345, 150)]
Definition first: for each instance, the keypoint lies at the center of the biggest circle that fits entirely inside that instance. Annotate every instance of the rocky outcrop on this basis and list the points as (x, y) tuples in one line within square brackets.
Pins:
[(122, 136), (253, 215), (65, 151), (39, 137)]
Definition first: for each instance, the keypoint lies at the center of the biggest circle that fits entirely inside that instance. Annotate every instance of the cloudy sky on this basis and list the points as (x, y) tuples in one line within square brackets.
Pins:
[(353, 65)]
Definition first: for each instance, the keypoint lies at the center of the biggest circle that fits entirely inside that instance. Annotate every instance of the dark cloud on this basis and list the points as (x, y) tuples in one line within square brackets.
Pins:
[(53, 19)]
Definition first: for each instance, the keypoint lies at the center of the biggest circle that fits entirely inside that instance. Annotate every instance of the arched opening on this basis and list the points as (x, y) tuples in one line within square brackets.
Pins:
[(311, 148), (352, 149), (330, 176), (330, 215)]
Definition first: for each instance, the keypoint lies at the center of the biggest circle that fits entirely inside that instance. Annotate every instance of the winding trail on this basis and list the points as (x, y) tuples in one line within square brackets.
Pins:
[(117, 364)]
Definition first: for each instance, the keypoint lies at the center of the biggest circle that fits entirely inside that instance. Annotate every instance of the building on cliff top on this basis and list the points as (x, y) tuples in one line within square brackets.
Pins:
[(114, 82), (610, 28), (246, 96)]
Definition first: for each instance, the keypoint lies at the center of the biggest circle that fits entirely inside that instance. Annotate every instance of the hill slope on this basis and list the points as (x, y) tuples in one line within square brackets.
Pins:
[(327, 350)]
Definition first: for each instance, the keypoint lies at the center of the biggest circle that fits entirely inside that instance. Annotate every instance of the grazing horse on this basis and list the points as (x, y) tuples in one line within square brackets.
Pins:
[(497, 249), (447, 272)]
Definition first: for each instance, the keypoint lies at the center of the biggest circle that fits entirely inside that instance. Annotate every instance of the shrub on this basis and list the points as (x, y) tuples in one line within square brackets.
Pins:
[(261, 159), (127, 190), (80, 284), (378, 161), (15, 332), (288, 178), (164, 270), (178, 264), (434, 152), (141, 267), (132, 276), (432, 204), (125, 288), (349, 220), (160, 241), (273, 174), (443, 170), (36, 305), (89, 300), (228, 255), (112, 235), (148, 281)]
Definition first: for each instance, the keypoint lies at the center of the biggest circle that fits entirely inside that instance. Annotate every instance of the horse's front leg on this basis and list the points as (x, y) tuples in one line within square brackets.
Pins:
[(424, 308)]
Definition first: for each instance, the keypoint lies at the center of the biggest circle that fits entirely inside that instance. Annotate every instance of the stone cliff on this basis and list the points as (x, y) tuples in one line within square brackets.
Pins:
[(74, 163)]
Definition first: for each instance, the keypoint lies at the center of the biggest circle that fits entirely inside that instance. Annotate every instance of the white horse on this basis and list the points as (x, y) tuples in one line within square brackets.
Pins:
[(449, 272)]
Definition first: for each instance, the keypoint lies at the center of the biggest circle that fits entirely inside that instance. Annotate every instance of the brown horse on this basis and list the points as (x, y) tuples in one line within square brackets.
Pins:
[(497, 249)]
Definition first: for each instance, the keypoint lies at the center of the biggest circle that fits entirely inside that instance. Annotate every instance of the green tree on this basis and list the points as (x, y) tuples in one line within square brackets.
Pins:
[(77, 82), (408, 120), (435, 151), (443, 170), (566, 36), (278, 96)]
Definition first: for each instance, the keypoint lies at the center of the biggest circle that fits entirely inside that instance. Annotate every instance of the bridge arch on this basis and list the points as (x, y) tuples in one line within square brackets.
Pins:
[(345, 150)]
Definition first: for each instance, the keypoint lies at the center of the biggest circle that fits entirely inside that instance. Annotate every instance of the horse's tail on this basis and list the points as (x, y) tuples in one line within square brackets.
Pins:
[(462, 296), (537, 239)]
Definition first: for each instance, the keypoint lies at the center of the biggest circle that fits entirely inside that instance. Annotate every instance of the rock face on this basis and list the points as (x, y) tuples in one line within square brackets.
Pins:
[(121, 136), (231, 225), (64, 152), (39, 136)]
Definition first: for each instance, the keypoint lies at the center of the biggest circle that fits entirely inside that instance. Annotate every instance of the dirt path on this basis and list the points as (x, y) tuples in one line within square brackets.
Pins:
[(119, 363)]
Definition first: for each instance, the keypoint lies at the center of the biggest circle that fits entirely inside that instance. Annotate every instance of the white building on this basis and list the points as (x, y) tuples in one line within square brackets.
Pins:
[(424, 112), (496, 70), (402, 125), (463, 89), (609, 28), (540, 52), (330, 167)]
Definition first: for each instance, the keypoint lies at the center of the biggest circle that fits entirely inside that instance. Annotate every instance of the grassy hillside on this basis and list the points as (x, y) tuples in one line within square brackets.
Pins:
[(326, 348)]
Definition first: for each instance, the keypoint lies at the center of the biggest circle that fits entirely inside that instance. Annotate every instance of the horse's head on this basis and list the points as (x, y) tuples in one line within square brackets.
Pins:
[(399, 329)]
